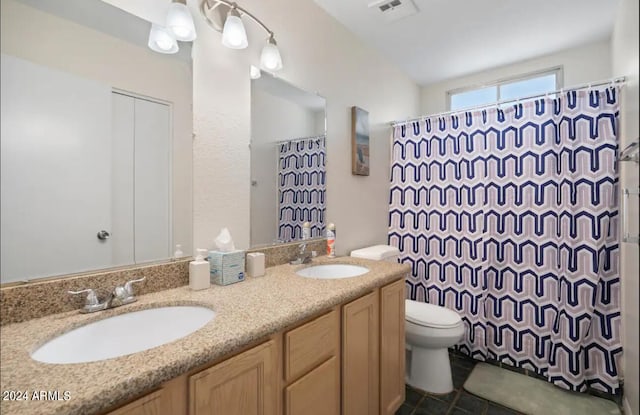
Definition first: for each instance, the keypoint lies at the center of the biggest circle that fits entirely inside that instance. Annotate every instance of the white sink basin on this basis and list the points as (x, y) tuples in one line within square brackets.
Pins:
[(332, 271), (124, 334)]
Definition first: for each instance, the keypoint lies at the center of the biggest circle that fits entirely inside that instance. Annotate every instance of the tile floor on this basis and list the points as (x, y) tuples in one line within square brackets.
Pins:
[(458, 402), (461, 402)]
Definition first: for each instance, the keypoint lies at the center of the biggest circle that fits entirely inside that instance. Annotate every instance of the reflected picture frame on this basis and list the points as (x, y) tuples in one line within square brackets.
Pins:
[(359, 141)]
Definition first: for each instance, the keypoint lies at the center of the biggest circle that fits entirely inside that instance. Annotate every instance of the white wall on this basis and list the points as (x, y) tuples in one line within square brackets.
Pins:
[(624, 44), (48, 40), (273, 119), (582, 64), (319, 55)]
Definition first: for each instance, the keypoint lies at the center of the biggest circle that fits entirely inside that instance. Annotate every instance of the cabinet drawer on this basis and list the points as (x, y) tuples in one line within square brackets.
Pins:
[(317, 392), (311, 344)]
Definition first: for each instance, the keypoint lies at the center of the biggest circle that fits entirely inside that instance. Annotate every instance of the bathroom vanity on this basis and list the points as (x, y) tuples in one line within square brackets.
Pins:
[(279, 344)]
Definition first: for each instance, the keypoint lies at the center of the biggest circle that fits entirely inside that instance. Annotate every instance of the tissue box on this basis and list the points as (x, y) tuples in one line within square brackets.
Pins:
[(226, 267)]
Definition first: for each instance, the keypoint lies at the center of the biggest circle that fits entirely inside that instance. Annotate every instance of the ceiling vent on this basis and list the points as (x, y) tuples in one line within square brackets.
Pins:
[(393, 10)]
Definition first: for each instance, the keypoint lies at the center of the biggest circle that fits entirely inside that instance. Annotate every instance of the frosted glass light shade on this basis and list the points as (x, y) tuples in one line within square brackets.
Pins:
[(180, 22), (255, 72), (162, 40), (270, 58), (233, 34)]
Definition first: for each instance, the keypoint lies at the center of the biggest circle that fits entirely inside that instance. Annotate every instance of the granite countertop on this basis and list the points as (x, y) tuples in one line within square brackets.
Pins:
[(245, 312)]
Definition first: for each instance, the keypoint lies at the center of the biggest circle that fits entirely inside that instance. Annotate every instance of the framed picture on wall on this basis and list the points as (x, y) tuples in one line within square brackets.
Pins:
[(359, 141)]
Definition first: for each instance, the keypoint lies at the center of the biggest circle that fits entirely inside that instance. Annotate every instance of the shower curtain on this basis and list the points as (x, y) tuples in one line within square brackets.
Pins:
[(301, 187), (509, 216)]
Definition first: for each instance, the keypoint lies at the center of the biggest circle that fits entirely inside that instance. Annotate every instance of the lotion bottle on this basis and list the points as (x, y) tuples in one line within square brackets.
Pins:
[(331, 240), (199, 277), (306, 230)]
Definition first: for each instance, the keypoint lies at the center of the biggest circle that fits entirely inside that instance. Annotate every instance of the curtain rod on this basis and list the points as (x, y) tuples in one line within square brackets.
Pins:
[(301, 139), (613, 81)]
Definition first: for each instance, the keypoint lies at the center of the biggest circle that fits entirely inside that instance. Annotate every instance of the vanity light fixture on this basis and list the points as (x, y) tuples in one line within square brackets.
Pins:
[(178, 26), (233, 34), (255, 72), (180, 21), (162, 40), (226, 17), (270, 57)]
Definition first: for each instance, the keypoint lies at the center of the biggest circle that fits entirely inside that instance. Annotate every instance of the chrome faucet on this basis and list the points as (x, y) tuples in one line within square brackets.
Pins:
[(124, 295), (304, 257), (121, 295)]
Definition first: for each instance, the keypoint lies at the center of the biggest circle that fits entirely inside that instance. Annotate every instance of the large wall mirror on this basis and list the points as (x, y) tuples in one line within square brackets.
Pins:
[(288, 159), (96, 141)]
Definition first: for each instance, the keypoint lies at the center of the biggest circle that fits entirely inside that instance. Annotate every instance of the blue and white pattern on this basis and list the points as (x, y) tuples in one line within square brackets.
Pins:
[(301, 187), (509, 216)]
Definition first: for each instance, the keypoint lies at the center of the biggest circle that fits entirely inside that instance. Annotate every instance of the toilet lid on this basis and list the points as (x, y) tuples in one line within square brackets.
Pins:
[(430, 315)]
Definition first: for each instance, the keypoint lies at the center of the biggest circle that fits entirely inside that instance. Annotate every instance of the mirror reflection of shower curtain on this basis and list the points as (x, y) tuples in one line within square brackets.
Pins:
[(301, 187)]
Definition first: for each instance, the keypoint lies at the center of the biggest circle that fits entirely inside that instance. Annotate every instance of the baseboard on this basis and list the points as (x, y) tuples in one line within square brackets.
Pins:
[(627, 406)]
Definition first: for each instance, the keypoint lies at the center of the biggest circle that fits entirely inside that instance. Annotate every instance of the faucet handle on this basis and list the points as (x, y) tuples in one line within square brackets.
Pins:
[(128, 286), (92, 298), (120, 293)]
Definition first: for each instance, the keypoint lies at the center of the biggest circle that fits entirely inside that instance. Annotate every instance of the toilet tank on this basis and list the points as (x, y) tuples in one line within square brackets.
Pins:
[(378, 253)]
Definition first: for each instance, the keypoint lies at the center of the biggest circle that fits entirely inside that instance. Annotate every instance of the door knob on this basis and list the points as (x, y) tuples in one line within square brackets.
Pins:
[(103, 235)]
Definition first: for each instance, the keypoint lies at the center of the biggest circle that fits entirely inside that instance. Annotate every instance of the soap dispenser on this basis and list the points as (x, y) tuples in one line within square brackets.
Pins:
[(199, 277), (178, 252)]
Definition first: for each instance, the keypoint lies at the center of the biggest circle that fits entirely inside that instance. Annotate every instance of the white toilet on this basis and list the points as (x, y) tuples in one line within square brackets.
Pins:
[(430, 330)]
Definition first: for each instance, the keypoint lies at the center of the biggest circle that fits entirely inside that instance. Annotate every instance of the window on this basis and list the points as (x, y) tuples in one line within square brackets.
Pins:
[(506, 89), (473, 98)]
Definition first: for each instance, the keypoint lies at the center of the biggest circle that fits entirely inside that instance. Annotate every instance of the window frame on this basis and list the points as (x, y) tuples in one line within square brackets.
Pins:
[(558, 71)]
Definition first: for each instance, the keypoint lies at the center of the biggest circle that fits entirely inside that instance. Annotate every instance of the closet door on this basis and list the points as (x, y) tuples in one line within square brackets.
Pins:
[(140, 180), (151, 181), (55, 171), (123, 128)]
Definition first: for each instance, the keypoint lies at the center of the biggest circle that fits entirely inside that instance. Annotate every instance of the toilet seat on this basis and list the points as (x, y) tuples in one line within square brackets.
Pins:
[(430, 315)]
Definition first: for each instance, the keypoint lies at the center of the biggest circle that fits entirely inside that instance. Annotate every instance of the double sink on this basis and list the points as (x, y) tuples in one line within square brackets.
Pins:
[(136, 331)]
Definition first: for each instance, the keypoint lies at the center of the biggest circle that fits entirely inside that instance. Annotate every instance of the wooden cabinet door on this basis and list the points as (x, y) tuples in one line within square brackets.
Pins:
[(307, 346), (392, 349), (317, 392), (147, 405), (246, 384), (360, 356)]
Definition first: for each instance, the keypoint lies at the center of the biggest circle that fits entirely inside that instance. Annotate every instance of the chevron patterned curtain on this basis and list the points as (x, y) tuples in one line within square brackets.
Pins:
[(509, 216), (301, 187)]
